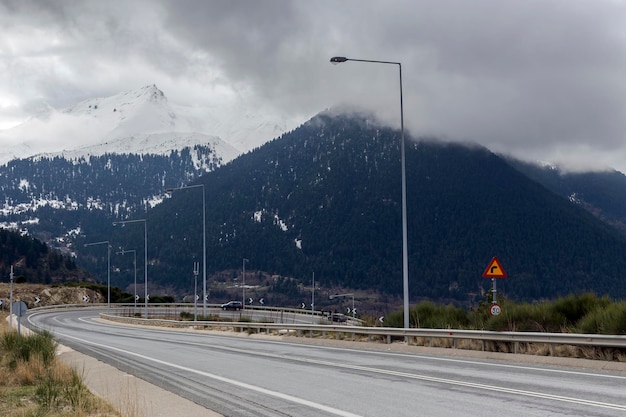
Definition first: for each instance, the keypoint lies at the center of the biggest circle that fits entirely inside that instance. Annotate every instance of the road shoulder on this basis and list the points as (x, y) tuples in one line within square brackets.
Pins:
[(130, 395)]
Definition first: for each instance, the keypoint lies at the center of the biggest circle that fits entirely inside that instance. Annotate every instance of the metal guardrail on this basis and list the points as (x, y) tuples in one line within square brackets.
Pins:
[(389, 333), (385, 333)]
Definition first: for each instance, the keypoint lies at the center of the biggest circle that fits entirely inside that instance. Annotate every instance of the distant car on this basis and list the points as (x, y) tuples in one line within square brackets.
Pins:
[(232, 305), (338, 317)]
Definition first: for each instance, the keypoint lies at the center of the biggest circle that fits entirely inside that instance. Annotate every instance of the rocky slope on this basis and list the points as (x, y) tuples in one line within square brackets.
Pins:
[(39, 295)]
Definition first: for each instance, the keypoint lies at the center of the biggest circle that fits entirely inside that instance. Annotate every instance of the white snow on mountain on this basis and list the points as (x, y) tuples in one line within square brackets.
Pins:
[(141, 121), (151, 143)]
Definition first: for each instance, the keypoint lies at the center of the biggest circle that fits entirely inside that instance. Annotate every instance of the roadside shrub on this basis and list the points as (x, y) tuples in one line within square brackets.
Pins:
[(610, 319), (430, 316), (575, 307), (394, 319), (23, 348), (512, 318), (540, 317), (185, 315)]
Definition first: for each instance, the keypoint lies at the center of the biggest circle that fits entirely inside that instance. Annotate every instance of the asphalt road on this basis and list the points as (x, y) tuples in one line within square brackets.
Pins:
[(240, 376)]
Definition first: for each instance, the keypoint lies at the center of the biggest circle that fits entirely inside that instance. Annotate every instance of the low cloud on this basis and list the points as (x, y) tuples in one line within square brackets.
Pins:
[(525, 77)]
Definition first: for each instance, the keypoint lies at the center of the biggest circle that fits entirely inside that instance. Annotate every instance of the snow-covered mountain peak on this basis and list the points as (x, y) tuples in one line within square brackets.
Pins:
[(127, 99), (140, 116), (141, 111)]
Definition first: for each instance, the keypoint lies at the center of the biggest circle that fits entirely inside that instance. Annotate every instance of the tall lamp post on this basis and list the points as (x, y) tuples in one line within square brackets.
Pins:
[(134, 252), (243, 284), (405, 252), (106, 242), (145, 268), (11, 300), (204, 293), (313, 300)]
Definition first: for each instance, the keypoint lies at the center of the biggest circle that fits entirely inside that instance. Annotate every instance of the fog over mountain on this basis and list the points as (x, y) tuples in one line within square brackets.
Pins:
[(140, 121)]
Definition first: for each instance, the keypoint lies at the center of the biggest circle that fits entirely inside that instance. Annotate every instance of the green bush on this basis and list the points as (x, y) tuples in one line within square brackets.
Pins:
[(526, 318), (431, 316), (584, 313), (575, 307), (185, 315), (428, 315), (610, 319)]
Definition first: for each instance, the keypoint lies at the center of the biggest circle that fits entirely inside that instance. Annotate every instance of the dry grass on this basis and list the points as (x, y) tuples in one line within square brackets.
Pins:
[(37, 386), (537, 349)]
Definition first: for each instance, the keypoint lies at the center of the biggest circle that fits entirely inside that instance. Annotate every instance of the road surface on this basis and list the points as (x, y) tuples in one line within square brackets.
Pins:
[(240, 376)]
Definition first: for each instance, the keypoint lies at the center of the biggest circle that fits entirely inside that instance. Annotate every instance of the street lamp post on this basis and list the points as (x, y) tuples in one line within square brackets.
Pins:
[(204, 293), (11, 300), (106, 242), (313, 300), (134, 252), (405, 253), (243, 284), (145, 246)]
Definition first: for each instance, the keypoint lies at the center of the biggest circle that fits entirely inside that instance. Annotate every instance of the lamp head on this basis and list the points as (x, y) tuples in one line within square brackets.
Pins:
[(338, 60)]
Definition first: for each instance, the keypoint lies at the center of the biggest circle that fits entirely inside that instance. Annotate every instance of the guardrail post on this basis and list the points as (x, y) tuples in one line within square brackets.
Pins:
[(388, 339), (516, 348)]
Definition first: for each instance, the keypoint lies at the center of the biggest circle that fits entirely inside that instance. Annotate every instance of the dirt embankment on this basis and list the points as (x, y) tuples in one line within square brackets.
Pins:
[(39, 295)]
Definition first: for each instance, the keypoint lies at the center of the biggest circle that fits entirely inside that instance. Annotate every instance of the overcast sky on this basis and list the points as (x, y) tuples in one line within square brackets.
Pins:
[(541, 80)]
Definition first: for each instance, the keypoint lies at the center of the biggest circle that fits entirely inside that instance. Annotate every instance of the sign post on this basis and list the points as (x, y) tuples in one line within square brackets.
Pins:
[(494, 270), (196, 271), (19, 309)]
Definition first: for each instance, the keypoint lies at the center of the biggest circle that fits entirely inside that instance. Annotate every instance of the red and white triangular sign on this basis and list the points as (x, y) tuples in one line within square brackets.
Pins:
[(494, 269)]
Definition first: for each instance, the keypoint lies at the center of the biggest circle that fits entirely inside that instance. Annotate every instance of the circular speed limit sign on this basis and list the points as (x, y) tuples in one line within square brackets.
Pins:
[(495, 309)]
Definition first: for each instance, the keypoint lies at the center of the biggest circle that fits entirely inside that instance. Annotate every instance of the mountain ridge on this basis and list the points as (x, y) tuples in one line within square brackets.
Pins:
[(325, 198), (133, 117)]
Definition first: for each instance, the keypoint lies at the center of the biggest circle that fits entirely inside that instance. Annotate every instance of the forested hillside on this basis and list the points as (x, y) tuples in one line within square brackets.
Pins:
[(325, 198), (57, 197), (602, 193), (33, 261)]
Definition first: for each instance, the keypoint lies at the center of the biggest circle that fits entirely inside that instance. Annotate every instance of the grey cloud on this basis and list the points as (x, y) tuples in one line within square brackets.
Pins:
[(534, 78)]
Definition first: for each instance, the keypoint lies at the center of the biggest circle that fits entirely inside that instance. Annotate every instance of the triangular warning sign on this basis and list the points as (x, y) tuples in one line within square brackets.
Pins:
[(494, 270)]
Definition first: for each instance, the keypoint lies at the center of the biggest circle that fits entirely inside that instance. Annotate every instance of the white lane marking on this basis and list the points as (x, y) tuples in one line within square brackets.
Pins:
[(499, 389), (467, 361), (425, 378), (261, 390)]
